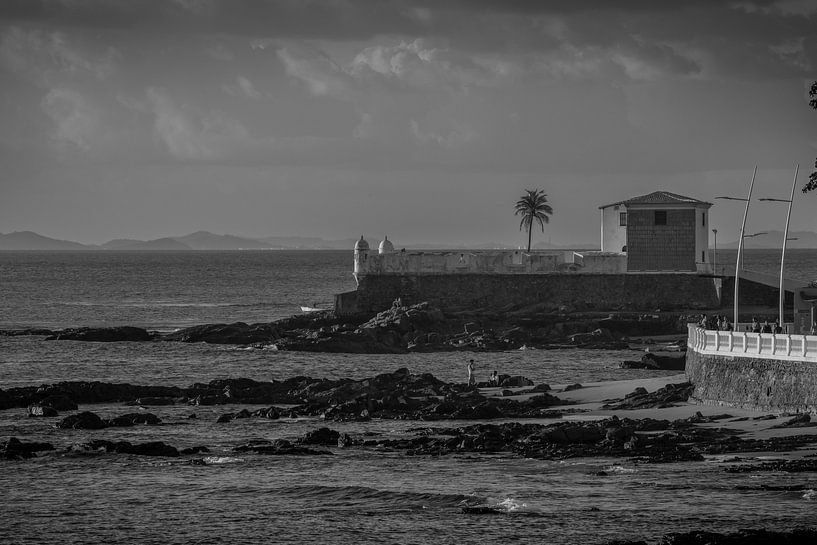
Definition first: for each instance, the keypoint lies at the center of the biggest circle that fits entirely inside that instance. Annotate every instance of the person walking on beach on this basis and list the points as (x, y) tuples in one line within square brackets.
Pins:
[(471, 379)]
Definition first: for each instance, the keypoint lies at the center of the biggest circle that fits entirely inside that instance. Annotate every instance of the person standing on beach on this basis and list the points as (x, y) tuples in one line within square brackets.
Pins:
[(471, 379)]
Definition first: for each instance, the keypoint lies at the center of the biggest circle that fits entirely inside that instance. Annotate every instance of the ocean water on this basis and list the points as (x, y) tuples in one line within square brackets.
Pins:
[(355, 496)]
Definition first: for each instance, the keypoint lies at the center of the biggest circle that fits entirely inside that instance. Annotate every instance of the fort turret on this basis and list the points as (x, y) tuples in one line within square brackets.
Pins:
[(386, 247), (361, 256)]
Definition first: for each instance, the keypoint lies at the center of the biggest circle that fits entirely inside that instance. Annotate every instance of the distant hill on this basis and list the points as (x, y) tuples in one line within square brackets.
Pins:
[(136, 245), (27, 240), (204, 240), (309, 243), (774, 239)]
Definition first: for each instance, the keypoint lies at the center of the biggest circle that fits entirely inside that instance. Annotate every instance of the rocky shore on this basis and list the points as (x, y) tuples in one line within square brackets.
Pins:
[(653, 434), (402, 329)]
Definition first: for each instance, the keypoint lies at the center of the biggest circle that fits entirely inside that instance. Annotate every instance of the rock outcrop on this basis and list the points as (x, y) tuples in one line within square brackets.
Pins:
[(103, 334)]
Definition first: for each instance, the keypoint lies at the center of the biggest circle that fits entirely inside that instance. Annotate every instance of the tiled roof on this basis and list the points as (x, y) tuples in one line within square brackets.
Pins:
[(659, 197)]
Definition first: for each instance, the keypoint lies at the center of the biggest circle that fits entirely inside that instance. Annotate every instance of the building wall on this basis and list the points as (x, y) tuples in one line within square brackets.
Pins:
[(576, 292), (669, 247), (753, 383), (613, 235)]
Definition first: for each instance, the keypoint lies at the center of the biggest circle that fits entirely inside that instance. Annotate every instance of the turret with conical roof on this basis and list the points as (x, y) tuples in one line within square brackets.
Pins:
[(386, 247), (361, 255)]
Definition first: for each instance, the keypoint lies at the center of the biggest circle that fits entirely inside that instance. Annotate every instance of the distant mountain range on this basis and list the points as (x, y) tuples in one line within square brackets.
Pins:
[(774, 239), (203, 240), (200, 240)]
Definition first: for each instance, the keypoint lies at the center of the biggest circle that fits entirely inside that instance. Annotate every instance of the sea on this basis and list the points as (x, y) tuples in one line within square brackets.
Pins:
[(354, 496)]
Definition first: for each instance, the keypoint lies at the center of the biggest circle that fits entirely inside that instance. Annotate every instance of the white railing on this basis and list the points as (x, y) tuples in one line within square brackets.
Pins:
[(746, 344)]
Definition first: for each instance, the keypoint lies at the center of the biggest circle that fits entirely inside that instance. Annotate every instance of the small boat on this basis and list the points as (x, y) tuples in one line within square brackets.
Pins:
[(312, 309)]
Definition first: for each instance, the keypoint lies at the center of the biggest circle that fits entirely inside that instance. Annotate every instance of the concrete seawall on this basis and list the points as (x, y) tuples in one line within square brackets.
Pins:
[(578, 292), (753, 383)]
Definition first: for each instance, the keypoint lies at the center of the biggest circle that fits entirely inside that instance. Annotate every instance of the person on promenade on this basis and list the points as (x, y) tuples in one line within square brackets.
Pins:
[(703, 321), (471, 379), (767, 327), (777, 327), (494, 378), (755, 325), (813, 329), (726, 325)]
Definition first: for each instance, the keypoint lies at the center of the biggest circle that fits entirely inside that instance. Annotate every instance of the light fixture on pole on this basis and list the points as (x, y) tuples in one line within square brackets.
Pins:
[(740, 242), (753, 235), (715, 255), (790, 200)]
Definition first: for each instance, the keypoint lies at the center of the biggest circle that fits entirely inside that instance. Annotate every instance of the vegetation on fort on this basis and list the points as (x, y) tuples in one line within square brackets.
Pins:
[(533, 207)]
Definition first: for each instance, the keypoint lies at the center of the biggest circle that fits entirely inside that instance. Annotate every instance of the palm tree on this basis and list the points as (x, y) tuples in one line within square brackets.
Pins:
[(533, 206)]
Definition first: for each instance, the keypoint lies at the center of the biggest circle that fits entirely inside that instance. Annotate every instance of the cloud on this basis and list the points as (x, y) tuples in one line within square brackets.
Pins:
[(320, 73), (191, 135), (45, 56), (77, 122), (243, 88)]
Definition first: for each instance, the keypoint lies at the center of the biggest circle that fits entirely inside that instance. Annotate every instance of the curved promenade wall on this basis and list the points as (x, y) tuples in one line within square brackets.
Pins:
[(578, 292), (755, 371)]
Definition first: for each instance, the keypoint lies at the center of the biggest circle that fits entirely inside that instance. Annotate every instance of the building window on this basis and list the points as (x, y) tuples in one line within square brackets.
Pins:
[(703, 219), (622, 218), (703, 256), (660, 217)]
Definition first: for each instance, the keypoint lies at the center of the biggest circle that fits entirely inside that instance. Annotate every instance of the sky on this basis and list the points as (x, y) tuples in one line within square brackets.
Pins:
[(423, 120)]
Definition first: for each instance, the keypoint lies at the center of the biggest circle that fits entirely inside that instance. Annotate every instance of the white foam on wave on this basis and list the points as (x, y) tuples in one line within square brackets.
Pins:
[(810, 494), (510, 505), (620, 469), (214, 460)]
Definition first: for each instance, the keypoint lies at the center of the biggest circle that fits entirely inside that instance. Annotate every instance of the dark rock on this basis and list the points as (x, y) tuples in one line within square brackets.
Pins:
[(224, 418), (132, 419), (799, 421), (320, 436), (237, 333), (152, 448), (43, 411), (278, 447), (102, 334), (194, 450), (14, 449), (675, 361), (515, 382), (155, 401), (59, 402), (664, 397), (571, 387), (82, 421)]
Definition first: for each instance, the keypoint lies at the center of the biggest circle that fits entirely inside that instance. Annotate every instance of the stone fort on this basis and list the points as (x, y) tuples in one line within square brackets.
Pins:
[(653, 257)]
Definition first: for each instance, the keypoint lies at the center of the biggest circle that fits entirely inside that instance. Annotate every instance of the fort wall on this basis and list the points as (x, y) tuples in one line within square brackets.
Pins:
[(646, 292)]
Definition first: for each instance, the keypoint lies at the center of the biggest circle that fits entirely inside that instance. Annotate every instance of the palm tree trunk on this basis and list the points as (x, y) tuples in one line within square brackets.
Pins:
[(530, 230)]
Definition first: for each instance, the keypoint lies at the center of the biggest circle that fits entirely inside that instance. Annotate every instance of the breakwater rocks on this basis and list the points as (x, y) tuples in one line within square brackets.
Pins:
[(400, 329), (397, 395)]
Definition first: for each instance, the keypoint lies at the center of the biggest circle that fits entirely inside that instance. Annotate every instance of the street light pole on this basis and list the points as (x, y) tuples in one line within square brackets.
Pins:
[(715, 255), (782, 295), (740, 247)]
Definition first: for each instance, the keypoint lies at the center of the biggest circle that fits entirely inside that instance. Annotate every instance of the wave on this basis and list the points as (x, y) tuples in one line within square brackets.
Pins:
[(218, 460), (362, 494)]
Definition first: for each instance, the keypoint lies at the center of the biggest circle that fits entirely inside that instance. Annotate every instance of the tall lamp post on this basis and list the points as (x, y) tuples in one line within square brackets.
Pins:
[(790, 200), (740, 242), (715, 255)]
